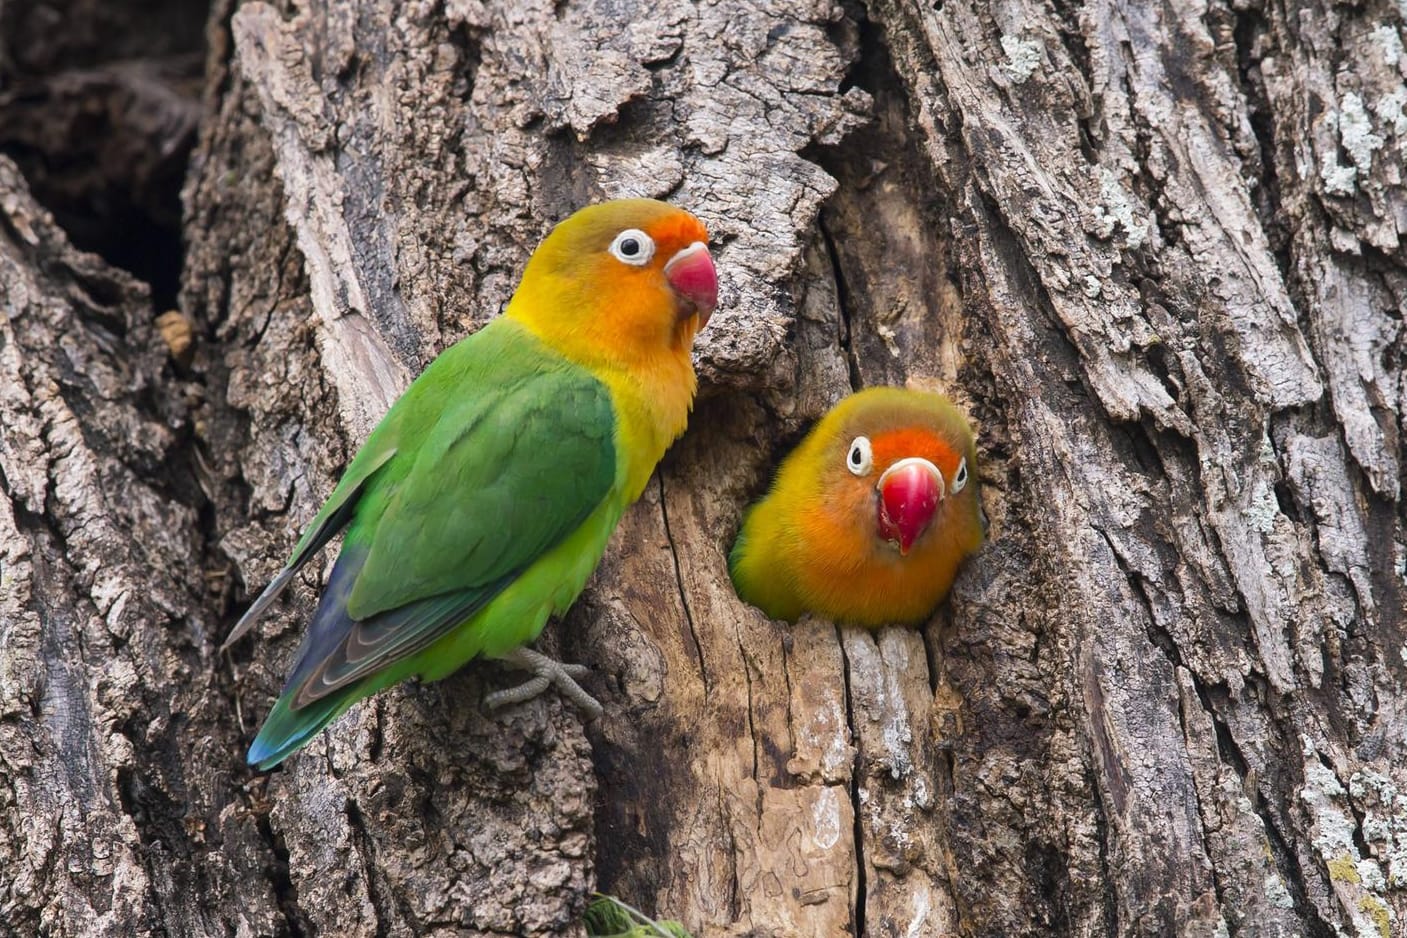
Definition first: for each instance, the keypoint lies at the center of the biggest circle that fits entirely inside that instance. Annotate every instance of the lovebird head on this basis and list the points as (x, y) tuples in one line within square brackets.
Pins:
[(869, 518), (628, 280)]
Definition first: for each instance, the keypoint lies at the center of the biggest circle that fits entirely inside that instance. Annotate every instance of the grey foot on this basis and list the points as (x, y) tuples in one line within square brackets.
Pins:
[(548, 672)]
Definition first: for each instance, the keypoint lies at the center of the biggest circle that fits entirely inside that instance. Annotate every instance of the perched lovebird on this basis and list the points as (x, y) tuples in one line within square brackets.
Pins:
[(869, 517), (484, 498)]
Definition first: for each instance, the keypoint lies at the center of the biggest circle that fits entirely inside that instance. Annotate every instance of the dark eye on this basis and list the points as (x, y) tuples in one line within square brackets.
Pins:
[(959, 477), (860, 458), (632, 246)]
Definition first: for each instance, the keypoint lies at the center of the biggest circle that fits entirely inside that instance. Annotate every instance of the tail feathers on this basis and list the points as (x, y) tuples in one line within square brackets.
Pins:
[(324, 681), (340, 651), (288, 730)]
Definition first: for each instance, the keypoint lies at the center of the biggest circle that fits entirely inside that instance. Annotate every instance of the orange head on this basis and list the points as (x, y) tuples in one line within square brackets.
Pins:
[(620, 283)]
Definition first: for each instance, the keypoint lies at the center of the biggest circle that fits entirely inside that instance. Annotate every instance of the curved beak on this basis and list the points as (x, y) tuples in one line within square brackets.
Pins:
[(695, 283), (909, 494)]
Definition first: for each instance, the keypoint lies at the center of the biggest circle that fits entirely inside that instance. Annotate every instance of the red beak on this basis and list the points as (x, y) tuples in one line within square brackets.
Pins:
[(909, 494), (690, 272)]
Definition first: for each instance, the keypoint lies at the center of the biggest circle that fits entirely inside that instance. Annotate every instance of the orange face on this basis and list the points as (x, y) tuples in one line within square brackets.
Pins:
[(632, 276), (899, 480)]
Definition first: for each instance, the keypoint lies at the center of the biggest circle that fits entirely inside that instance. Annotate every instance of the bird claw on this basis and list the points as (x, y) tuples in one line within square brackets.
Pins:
[(548, 672)]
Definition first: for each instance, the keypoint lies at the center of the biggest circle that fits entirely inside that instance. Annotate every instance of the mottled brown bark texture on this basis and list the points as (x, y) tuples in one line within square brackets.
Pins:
[(1154, 250)]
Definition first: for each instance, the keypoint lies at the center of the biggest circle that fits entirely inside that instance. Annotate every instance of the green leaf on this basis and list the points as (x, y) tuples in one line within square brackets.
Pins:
[(608, 917)]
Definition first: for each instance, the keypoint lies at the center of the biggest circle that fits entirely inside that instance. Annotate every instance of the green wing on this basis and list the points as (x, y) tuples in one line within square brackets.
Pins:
[(499, 451), (505, 476)]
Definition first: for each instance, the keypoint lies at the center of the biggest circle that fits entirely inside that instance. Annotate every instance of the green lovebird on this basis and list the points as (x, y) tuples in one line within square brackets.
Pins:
[(483, 500)]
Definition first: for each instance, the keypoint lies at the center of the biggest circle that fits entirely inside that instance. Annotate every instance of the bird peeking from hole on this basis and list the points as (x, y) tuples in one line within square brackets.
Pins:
[(869, 518)]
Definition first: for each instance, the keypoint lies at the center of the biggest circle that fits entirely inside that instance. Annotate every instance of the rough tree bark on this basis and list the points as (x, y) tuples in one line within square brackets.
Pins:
[(1154, 249)]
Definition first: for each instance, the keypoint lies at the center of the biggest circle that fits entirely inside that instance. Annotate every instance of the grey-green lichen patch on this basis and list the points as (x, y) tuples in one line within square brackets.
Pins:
[(1263, 508), (1118, 208), (1022, 57), (1333, 824), (1338, 178), (1371, 875), (1356, 132), (1389, 43), (1389, 109), (1358, 882), (1276, 892), (1383, 806)]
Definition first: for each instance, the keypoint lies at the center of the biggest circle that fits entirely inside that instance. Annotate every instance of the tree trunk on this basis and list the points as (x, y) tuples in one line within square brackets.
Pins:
[(1154, 250)]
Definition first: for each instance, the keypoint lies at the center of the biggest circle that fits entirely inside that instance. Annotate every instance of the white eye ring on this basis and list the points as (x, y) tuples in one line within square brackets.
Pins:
[(860, 459), (632, 246), (959, 477)]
